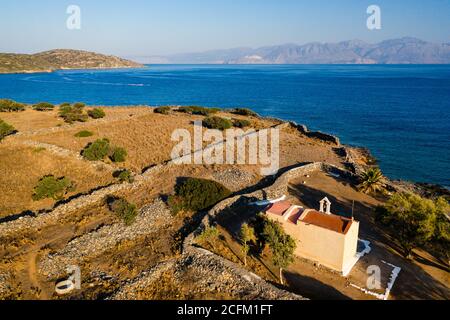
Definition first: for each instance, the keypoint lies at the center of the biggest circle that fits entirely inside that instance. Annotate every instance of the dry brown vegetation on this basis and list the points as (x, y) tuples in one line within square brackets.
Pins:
[(146, 137), (21, 168)]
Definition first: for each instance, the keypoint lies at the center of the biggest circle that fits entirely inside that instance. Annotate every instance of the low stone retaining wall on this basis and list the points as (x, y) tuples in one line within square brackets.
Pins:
[(9, 228), (151, 219), (276, 190), (316, 134)]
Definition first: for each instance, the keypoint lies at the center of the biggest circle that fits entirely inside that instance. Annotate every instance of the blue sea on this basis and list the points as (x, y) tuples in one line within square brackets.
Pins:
[(401, 113)]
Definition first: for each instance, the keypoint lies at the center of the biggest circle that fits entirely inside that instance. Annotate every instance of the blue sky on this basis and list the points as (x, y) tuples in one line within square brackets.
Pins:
[(158, 27)]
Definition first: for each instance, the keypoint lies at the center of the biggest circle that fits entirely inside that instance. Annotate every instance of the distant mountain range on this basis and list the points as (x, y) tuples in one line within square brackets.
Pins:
[(405, 50), (60, 59)]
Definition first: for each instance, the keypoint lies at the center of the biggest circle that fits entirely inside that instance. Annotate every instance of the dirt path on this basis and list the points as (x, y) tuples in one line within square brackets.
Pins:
[(30, 276)]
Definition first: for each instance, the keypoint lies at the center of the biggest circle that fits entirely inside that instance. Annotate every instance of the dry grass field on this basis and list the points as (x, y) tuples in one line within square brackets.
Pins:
[(144, 134), (21, 168), (146, 137)]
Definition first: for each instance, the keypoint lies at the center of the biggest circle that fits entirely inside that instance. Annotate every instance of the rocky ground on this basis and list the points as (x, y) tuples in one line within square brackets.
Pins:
[(154, 258)]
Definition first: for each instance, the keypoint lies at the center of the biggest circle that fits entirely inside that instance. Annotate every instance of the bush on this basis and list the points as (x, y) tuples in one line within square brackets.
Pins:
[(7, 105), (204, 111), (39, 149), (5, 129), (84, 134), (73, 113), (198, 110), (118, 154), (96, 113), (241, 123), (96, 150), (79, 105), (124, 176), (209, 235), (217, 123), (53, 188), (43, 106), (185, 109), (244, 112), (162, 110), (123, 209), (197, 194)]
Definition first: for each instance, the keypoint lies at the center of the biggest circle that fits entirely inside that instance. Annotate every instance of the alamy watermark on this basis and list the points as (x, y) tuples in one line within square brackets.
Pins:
[(73, 22), (233, 146), (374, 277), (374, 20)]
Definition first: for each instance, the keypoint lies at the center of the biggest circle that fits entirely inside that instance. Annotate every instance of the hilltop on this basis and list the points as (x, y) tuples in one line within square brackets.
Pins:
[(60, 59)]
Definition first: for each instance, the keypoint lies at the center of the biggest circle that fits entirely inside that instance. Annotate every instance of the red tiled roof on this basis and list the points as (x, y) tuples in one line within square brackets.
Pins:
[(295, 215), (327, 221), (278, 208)]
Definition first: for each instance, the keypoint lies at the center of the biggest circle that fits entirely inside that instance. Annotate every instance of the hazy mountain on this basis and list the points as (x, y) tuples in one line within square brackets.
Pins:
[(397, 51), (60, 59)]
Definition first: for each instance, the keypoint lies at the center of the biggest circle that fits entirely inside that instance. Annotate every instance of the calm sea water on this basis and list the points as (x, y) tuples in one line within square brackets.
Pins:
[(402, 113)]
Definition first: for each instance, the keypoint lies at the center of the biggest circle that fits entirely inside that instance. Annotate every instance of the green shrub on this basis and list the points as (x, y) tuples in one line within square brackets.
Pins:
[(123, 209), (118, 154), (185, 109), (217, 123), (84, 134), (197, 194), (5, 129), (7, 105), (96, 150), (53, 188), (124, 176), (162, 110), (79, 105), (244, 112), (73, 113), (241, 123), (198, 110), (96, 113), (39, 149), (209, 235), (43, 106), (204, 111)]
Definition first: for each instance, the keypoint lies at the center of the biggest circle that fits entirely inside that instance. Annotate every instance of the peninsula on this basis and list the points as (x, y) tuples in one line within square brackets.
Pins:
[(60, 59)]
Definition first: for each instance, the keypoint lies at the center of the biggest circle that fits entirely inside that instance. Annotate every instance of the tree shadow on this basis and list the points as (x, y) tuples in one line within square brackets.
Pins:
[(312, 288), (429, 262)]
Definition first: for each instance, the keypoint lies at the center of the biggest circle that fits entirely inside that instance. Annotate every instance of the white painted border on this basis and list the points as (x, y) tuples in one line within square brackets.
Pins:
[(358, 255), (393, 277)]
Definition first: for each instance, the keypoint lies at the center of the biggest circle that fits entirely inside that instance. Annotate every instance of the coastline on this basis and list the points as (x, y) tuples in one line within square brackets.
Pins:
[(358, 158), (70, 69), (150, 181)]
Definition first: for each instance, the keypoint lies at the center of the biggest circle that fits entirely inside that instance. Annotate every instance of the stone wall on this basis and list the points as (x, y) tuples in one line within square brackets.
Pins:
[(316, 134), (35, 222)]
